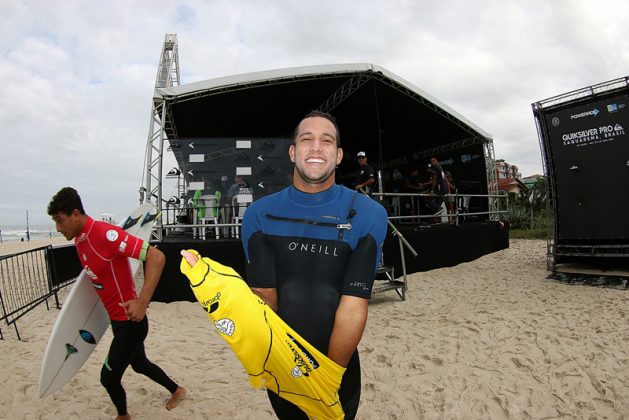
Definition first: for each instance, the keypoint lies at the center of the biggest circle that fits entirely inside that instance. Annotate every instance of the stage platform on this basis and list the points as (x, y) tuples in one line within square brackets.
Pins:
[(437, 246)]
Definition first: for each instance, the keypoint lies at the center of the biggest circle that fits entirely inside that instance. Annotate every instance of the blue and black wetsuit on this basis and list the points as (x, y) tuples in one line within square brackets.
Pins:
[(314, 248)]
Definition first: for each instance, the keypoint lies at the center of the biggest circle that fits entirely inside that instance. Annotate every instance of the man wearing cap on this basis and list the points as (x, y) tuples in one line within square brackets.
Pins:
[(365, 178)]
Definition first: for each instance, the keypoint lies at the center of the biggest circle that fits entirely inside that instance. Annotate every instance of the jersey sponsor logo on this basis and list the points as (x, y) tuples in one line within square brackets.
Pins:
[(295, 372), (122, 246), (111, 235), (306, 353), (225, 326), (211, 305), (301, 363), (312, 248)]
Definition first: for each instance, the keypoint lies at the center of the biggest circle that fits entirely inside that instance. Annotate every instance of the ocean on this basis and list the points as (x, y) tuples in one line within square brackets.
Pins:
[(17, 233)]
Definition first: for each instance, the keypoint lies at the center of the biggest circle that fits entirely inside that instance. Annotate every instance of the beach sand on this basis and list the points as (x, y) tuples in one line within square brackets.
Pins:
[(490, 339), (12, 247)]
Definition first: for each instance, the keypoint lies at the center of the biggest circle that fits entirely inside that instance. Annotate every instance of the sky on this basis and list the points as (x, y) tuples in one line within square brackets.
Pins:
[(78, 76)]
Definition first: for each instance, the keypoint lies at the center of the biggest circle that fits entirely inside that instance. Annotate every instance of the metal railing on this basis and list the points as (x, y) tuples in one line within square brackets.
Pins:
[(230, 229), (27, 279), (460, 214)]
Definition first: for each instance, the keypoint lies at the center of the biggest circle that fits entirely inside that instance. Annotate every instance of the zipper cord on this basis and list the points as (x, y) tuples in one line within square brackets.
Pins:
[(352, 213)]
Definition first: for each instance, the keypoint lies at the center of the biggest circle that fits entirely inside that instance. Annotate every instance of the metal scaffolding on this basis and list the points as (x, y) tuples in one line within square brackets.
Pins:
[(159, 130)]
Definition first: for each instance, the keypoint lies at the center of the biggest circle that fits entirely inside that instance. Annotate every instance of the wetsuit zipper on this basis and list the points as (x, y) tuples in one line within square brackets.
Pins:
[(342, 227), (339, 226)]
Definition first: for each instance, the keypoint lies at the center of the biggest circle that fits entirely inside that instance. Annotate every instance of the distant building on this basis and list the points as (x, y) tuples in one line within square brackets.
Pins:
[(529, 181), (505, 170), (511, 185)]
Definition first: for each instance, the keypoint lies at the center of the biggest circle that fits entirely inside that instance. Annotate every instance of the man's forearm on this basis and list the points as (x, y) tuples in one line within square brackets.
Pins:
[(268, 295), (349, 324), (155, 261)]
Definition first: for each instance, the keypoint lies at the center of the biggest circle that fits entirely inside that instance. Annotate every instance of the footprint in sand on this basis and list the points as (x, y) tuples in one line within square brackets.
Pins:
[(369, 391)]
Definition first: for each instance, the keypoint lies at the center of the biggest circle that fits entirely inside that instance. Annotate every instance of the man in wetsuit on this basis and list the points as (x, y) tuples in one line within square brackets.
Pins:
[(312, 251), (104, 250)]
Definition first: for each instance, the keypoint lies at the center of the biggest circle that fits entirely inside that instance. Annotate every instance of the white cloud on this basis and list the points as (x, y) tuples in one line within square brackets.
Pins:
[(78, 76)]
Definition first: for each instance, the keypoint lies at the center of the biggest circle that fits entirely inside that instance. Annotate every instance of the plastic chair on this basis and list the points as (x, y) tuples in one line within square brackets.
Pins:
[(211, 214), (240, 202)]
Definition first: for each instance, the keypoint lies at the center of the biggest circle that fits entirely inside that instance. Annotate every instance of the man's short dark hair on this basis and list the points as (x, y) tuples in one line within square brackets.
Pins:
[(321, 114), (65, 201)]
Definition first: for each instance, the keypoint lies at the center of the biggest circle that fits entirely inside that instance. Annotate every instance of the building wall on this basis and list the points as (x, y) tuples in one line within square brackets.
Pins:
[(506, 170)]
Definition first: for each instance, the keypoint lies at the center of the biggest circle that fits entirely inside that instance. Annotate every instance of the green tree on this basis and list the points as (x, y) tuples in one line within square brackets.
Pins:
[(527, 210)]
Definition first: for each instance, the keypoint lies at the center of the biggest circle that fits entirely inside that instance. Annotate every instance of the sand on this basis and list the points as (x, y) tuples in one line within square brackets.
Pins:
[(12, 247), (490, 339)]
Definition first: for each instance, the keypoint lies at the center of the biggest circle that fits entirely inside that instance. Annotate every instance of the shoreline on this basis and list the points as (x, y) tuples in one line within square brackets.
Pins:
[(14, 247)]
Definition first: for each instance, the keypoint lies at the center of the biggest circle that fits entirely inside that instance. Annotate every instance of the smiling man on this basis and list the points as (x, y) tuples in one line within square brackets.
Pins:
[(312, 252)]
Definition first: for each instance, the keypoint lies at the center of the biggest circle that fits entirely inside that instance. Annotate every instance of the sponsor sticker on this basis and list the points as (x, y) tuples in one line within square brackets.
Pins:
[(111, 235), (225, 326), (295, 372)]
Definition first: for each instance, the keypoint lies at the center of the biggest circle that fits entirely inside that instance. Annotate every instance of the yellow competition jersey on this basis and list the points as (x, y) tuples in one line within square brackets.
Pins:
[(272, 353)]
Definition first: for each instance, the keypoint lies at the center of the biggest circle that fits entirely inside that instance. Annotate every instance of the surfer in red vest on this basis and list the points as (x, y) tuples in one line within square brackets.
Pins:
[(103, 250)]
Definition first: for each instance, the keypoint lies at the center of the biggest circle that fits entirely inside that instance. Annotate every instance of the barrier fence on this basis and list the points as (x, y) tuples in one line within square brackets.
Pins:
[(30, 278)]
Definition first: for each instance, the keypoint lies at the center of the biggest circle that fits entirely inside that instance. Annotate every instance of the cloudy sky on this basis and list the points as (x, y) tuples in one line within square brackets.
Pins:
[(78, 76)]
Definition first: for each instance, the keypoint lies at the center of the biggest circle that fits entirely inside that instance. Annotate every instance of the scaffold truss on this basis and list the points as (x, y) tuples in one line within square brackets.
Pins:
[(167, 76)]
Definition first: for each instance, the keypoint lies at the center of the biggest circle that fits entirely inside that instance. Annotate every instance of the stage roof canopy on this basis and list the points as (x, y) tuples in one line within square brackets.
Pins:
[(376, 110)]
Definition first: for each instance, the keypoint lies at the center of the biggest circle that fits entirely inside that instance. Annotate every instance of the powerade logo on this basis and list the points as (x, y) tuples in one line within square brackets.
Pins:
[(593, 112)]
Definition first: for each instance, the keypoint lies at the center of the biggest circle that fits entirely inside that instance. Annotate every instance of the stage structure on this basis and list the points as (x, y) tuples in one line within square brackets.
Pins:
[(585, 148), (241, 125)]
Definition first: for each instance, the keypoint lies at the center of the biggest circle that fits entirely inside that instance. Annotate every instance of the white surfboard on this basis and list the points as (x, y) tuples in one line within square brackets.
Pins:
[(83, 319)]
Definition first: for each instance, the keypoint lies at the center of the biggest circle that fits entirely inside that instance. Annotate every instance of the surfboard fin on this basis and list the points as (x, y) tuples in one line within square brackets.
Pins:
[(150, 217), (130, 222)]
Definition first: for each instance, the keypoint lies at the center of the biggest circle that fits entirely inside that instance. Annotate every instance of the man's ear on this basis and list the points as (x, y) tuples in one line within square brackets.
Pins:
[(339, 156), (75, 214), (291, 153)]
